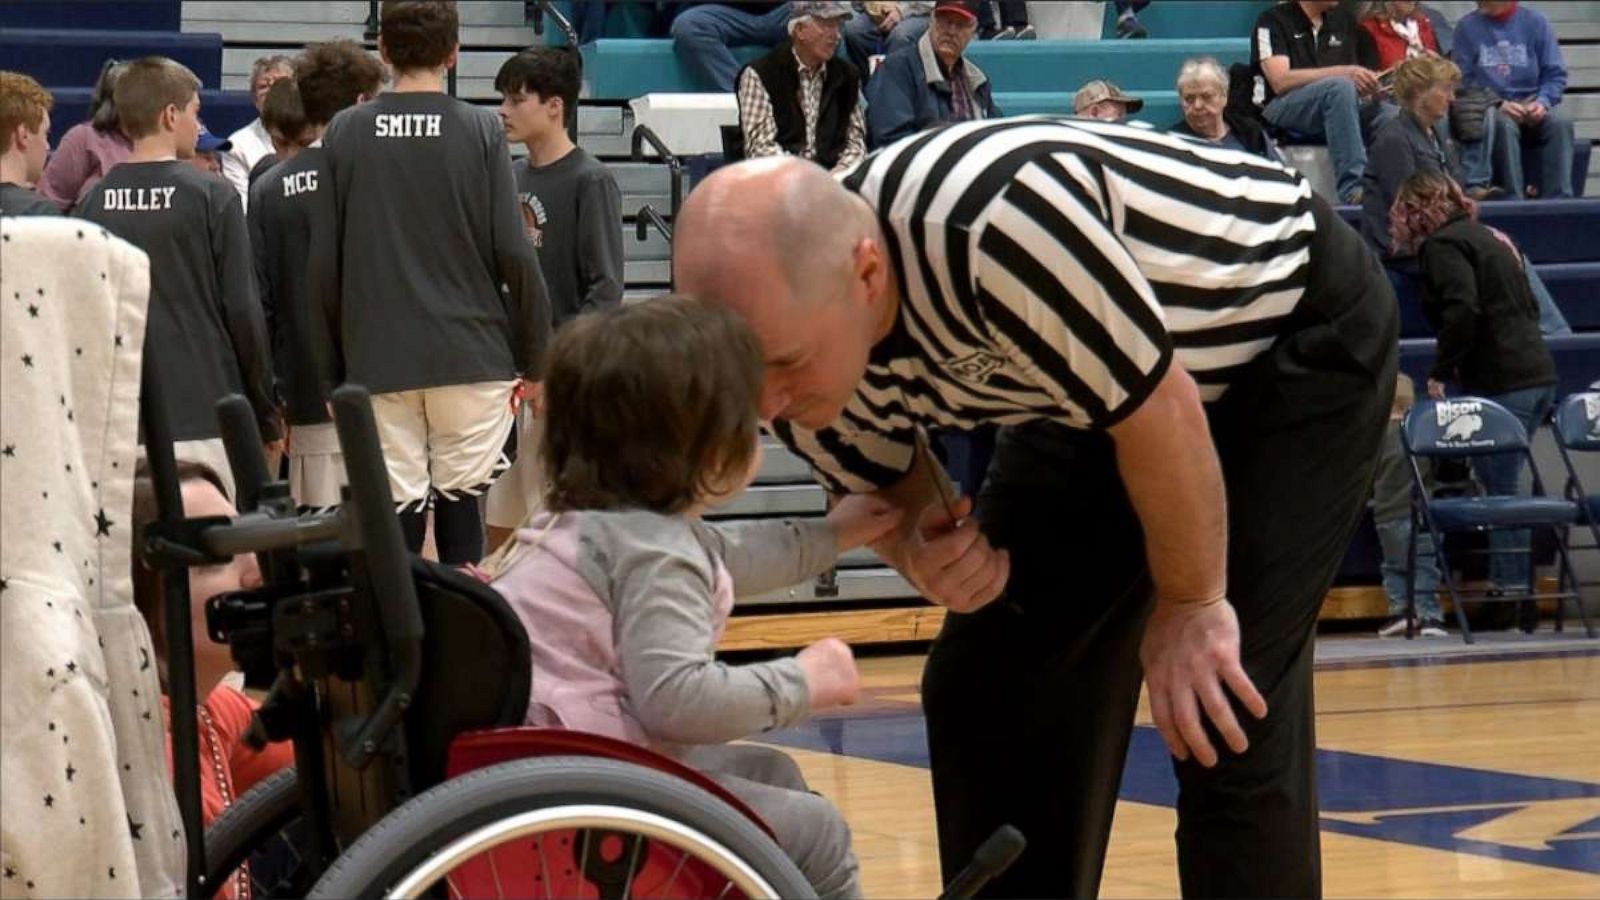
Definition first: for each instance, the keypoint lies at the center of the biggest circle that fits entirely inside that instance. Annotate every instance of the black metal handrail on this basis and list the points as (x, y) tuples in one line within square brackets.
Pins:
[(646, 217), (543, 8), (370, 33), (642, 134)]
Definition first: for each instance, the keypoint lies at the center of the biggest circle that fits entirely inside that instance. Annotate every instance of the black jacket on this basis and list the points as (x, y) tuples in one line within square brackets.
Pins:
[(1476, 295), (841, 93)]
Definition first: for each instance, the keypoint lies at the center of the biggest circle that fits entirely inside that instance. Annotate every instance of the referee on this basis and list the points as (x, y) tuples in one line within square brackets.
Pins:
[(1194, 360)]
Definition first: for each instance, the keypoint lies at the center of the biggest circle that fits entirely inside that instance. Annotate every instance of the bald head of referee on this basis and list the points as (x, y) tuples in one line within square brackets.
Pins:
[(1193, 360), (804, 261)]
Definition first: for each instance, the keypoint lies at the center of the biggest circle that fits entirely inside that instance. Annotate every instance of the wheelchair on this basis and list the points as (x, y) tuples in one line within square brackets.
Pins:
[(403, 685)]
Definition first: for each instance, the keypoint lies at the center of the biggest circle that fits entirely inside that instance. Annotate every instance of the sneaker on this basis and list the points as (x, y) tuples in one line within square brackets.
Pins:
[(1006, 34), (1128, 27), (1486, 192), (1027, 34), (1355, 197), (1432, 630), (1395, 628)]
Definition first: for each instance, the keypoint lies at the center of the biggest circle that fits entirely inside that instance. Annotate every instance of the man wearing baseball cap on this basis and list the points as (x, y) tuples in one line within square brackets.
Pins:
[(932, 82), (801, 99), (1100, 99), (208, 150)]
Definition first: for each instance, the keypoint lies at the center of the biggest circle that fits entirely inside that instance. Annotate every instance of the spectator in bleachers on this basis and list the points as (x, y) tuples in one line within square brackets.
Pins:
[(884, 27), (24, 142), (1314, 76), (1476, 296), (287, 205), (205, 321), (1203, 94), (932, 81), (1414, 141), (89, 149), (285, 121), (1512, 51), (573, 209), (1103, 100), (1128, 25), (1418, 141), (251, 143), (801, 99), (703, 33), (1399, 30), (208, 152), (1012, 24)]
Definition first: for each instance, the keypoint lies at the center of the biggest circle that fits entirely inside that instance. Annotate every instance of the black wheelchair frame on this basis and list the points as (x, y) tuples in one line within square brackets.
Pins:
[(347, 633)]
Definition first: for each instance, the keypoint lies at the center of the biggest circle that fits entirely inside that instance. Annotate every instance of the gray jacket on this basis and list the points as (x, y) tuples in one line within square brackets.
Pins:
[(1401, 147)]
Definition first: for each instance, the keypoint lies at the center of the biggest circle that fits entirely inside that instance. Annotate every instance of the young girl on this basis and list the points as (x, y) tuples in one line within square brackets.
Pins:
[(624, 589)]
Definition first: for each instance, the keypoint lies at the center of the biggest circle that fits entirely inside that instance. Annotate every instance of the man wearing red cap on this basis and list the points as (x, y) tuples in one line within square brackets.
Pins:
[(932, 82)]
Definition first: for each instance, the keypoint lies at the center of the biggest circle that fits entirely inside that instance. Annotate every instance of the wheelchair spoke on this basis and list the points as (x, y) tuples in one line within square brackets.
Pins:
[(678, 869), (633, 868), (588, 841), (494, 870), (544, 866)]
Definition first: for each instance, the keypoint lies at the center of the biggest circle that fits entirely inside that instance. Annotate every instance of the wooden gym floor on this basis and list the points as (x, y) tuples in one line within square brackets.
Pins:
[(1445, 772)]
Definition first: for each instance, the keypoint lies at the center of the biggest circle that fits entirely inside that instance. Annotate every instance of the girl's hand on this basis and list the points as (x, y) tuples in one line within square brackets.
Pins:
[(860, 519)]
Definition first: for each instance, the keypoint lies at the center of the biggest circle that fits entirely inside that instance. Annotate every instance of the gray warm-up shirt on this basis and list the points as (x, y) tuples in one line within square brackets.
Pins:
[(623, 611), (576, 212), (205, 323), (426, 233), (288, 203), (16, 200)]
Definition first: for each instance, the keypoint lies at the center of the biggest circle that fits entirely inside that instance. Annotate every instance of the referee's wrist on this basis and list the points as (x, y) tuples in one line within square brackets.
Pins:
[(1194, 600)]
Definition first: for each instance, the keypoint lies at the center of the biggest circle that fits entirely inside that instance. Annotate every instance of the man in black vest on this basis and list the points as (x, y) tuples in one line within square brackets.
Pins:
[(800, 99)]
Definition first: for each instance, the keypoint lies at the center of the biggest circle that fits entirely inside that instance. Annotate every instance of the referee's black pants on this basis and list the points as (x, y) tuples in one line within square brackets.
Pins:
[(1031, 701)]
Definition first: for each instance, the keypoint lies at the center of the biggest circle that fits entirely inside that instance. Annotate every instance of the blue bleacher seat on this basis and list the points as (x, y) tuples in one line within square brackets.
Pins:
[(1576, 289), (105, 15), (223, 111), (621, 69), (1193, 18), (1577, 359), (1160, 110), (71, 57), (1547, 232)]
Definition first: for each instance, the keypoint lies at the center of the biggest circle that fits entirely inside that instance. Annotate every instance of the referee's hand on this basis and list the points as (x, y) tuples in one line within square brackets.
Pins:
[(1190, 654), (952, 562)]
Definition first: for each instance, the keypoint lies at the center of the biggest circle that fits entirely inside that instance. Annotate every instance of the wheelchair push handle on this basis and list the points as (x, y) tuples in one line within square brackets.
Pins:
[(242, 439), (994, 856), (388, 567)]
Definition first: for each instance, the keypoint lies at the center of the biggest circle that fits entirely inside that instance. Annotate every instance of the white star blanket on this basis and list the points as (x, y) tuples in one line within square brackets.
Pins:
[(86, 804)]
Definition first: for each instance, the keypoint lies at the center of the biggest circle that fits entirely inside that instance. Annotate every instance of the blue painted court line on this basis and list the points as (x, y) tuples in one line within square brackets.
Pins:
[(1422, 804)]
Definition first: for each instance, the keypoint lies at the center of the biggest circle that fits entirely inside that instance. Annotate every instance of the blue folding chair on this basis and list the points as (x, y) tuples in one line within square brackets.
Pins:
[(1578, 431), (1465, 428)]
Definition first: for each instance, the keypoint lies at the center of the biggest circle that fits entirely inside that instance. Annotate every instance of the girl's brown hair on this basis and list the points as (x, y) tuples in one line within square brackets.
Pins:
[(650, 406)]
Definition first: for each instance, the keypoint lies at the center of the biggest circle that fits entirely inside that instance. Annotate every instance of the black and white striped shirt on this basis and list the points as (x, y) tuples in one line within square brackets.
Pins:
[(1051, 269)]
